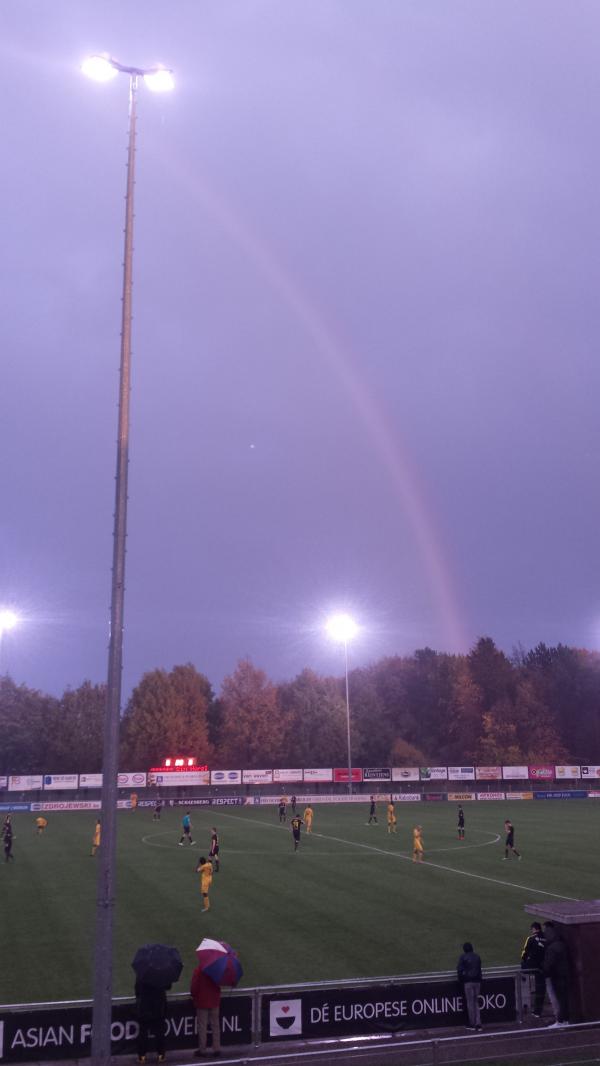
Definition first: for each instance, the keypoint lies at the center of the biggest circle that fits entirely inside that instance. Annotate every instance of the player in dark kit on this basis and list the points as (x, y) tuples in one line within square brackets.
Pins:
[(214, 849), (372, 812), (509, 843), (282, 809), (157, 810), (293, 803), (461, 823), (7, 833), (295, 823)]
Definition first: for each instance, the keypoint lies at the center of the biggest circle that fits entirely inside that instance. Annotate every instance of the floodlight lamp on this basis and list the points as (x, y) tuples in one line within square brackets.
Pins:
[(159, 80), (342, 627), (99, 68), (8, 620)]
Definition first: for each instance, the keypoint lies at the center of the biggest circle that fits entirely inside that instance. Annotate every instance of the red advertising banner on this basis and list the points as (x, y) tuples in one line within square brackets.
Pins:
[(340, 775), (541, 773)]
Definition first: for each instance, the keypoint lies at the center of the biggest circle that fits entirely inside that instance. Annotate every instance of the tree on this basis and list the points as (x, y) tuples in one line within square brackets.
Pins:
[(167, 715), (77, 730), (253, 727), (26, 717), (316, 714)]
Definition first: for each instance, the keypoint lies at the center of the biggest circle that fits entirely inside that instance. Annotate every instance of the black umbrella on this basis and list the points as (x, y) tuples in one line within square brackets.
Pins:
[(157, 965)]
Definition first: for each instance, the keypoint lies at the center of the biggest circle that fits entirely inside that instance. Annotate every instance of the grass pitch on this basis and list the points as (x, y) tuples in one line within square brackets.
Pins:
[(350, 903)]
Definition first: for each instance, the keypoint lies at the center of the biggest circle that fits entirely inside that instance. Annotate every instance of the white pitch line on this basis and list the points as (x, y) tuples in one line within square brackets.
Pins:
[(407, 858)]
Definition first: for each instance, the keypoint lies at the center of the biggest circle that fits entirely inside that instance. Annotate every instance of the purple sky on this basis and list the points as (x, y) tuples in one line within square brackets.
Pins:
[(366, 329)]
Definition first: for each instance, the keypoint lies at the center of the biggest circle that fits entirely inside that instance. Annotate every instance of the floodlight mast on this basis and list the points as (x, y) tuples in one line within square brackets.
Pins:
[(342, 628), (102, 68)]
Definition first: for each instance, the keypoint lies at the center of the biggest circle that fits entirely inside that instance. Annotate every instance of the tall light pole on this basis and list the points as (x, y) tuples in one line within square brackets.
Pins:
[(341, 627), (104, 68)]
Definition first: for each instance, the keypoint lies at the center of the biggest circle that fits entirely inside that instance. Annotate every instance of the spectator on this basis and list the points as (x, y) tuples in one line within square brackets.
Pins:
[(469, 975), (151, 1009), (207, 1000), (532, 959), (556, 972)]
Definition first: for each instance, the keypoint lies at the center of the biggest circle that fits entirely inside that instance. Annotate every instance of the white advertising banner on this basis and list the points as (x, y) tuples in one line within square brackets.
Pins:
[(491, 795), (515, 773), (58, 781), (177, 779), (461, 773), (488, 773), (25, 782), (317, 774), (587, 771), (257, 777), (226, 777), (90, 780), (287, 776), (567, 772), (433, 773), (137, 780), (405, 773), (3, 782)]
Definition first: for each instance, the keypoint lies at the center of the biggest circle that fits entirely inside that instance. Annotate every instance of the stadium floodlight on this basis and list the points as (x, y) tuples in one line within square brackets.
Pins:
[(8, 620), (104, 67), (342, 628)]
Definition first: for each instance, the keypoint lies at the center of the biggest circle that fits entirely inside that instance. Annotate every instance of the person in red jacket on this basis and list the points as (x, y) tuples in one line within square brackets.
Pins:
[(207, 1000)]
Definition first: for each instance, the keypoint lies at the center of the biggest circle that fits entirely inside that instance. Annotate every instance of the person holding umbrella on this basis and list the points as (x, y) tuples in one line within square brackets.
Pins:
[(207, 1001), (218, 966), (156, 967)]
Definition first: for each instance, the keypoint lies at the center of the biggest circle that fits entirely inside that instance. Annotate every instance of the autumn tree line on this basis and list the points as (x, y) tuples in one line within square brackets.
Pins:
[(429, 708)]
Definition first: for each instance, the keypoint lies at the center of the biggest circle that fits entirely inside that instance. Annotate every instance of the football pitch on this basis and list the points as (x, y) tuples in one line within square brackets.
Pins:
[(350, 903)]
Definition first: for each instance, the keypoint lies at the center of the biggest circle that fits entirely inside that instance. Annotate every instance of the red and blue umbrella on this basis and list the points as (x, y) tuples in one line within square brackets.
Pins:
[(219, 961)]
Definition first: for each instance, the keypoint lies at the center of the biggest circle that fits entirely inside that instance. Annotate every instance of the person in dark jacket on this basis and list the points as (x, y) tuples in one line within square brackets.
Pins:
[(469, 975), (556, 972), (532, 959), (151, 1009)]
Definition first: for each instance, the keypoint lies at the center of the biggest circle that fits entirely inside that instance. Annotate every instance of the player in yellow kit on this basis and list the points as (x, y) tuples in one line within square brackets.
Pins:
[(418, 851), (308, 819), (391, 817), (96, 837), (204, 868)]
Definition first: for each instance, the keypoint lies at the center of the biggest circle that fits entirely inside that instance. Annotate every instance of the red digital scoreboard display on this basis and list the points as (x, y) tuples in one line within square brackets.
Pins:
[(178, 764)]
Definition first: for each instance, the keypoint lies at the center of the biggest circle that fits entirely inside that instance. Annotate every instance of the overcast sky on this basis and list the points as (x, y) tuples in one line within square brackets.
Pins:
[(366, 322)]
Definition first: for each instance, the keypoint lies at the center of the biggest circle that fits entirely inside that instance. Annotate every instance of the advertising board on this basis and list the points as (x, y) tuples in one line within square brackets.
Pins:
[(570, 772), (323, 1014), (131, 780), (225, 777), (433, 773), (515, 773), (541, 773), (3, 782), (376, 773), (257, 777), (488, 773), (25, 782), (461, 773), (315, 774), (58, 1033), (519, 795), (405, 773), (177, 778), (287, 777), (460, 797), (60, 781), (90, 780), (586, 771), (340, 775), (491, 795)]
